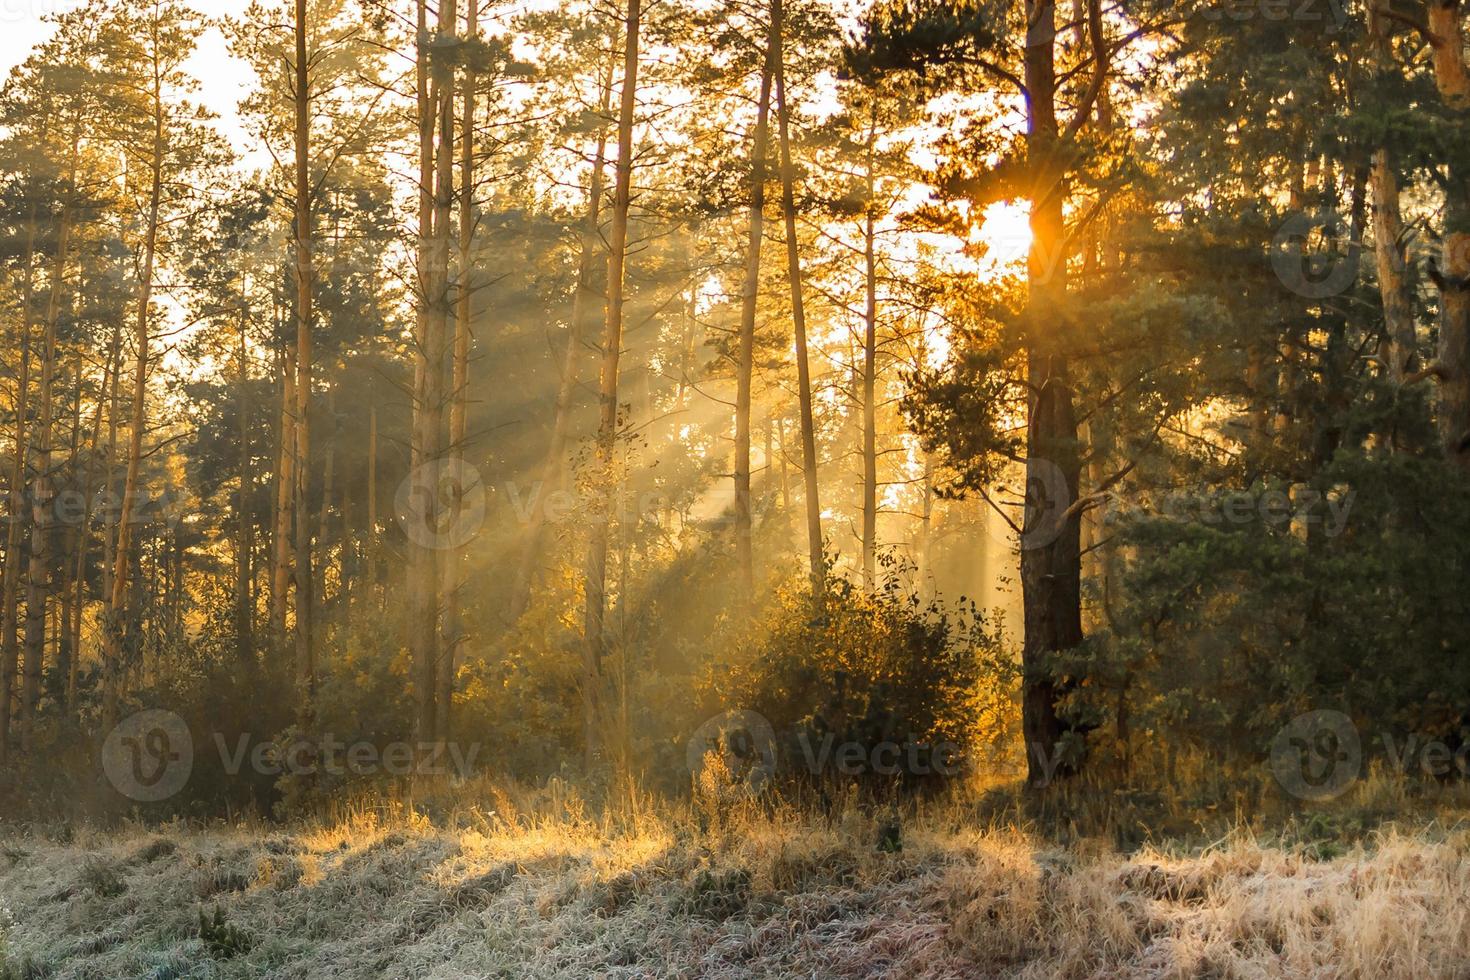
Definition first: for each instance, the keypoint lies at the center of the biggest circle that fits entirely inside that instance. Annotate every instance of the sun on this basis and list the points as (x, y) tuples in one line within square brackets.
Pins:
[(1005, 231)]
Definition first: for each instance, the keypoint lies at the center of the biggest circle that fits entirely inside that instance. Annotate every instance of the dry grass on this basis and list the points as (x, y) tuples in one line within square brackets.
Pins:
[(533, 887)]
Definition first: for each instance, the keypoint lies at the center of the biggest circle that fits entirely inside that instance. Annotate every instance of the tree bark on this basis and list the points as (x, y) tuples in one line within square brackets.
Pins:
[(245, 525), (750, 294), (305, 655), (114, 613), (870, 370), (454, 630), (9, 641), (38, 580), (1453, 276), (815, 555), (594, 649), (1051, 562), (285, 492)]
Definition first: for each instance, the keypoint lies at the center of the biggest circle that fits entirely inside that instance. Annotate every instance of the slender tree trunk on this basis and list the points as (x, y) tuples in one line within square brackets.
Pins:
[(870, 372), (285, 490), (553, 467), (436, 105), (454, 631), (798, 318), (115, 612), (245, 524), (84, 534), (370, 562), (305, 590), (745, 357), (594, 650), (38, 581), (9, 644)]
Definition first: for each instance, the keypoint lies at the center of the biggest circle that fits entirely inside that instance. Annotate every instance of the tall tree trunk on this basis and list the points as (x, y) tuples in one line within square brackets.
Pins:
[(1400, 346), (305, 657), (370, 558), (870, 368), (115, 612), (745, 357), (595, 590), (1446, 23), (1051, 562), (38, 580), (436, 105), (9, 641), (285, 492), (84, 534), (815, 554), (245, 524), (553, 467), (454, 634)]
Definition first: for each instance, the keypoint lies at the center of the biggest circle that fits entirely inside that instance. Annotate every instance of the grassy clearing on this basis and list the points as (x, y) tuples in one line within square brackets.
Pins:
[(535, 888)]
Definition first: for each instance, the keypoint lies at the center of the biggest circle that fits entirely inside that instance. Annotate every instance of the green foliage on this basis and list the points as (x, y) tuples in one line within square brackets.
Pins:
[(867, 669), (223, 940)]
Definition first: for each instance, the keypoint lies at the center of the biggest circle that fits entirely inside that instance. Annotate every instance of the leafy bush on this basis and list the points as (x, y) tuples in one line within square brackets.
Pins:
[(866, 670)]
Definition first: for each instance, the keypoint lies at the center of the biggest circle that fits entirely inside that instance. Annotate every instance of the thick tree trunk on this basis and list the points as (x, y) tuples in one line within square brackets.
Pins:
[(595, 589), (1446, 23), (1399, 351), (745, 356), (1051, 563), (815, 555)]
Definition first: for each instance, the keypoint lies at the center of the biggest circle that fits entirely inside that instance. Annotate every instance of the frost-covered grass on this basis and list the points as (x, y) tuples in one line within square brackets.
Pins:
[(666, 892)]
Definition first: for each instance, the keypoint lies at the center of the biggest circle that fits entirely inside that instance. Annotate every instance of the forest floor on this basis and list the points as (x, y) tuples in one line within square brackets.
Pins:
[(769, 894)]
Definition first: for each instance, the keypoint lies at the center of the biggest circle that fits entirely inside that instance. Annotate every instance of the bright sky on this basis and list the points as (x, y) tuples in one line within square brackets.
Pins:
[(223, 78)]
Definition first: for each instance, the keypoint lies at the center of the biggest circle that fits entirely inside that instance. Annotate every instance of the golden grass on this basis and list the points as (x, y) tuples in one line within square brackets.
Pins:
[(532, 885)]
